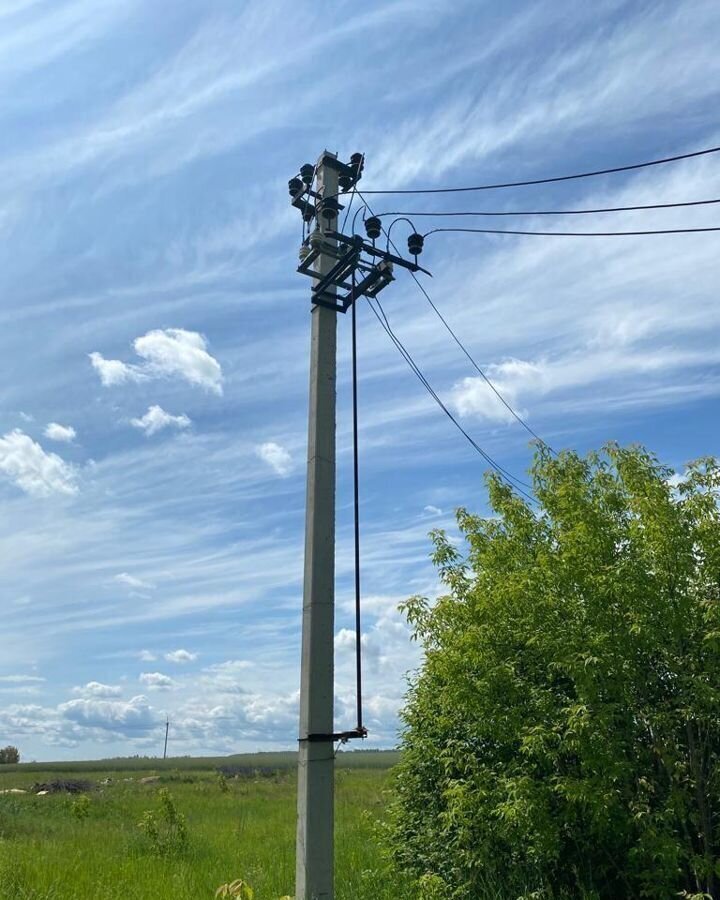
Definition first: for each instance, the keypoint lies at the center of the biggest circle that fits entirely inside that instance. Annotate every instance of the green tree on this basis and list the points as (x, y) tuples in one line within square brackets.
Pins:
[(562, 736), (9, 754)]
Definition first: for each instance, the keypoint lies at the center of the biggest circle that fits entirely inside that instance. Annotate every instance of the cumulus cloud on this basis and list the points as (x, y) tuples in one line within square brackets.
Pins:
[(156, 681), (276, 457), (226, 677), (132, 581), (32, 469), (125, 717), (113, 371), (166, 353), (181, 656), (155, 419), (147, 656), (97, 689), (474, 397), (63, 433)]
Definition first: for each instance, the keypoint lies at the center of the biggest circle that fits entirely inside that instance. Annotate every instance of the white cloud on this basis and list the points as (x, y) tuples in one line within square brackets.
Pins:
[(155, 419), (432, 510), (132, 581), (20, 679), (181, 656), (167, 353), (147, 656), (276, 457), (38, 473), (156, 681), (176, 352), (97, 689), (62, 433), (474, 397), (113, 371), (125, 717)]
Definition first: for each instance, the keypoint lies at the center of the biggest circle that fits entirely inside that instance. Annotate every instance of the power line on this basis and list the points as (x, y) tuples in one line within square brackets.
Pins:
[(511, 184), (508, 476), (460, 344), (573, 233), (477, 368), (554, 212)]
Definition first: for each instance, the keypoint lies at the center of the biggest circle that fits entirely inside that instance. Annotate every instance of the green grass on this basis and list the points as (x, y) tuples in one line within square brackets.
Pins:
[(49, 852)]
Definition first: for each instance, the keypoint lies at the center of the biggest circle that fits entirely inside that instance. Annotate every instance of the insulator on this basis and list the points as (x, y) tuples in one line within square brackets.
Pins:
[(308, 212), (415, 243), (307, 172), (329, 208), (357, 162), (295, 187), (373, 227)]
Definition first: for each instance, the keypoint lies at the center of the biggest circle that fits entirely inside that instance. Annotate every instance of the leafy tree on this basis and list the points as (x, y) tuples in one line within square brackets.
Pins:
[(9, 754), (562, 736)]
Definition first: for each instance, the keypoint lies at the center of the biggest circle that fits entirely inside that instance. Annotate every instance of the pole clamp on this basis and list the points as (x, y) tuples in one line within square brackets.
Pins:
[(342, 736)]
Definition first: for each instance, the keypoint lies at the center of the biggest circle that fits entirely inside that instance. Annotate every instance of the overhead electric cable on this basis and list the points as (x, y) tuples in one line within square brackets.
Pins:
[(513, 480), (512, 184), (464, 349), (551, 212), (573, 233)]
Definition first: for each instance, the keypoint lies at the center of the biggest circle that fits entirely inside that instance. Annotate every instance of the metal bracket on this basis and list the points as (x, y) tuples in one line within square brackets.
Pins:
[(342, 736)]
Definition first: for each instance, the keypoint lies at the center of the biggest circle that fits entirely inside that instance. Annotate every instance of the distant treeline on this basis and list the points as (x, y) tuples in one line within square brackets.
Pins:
[(242, 762)]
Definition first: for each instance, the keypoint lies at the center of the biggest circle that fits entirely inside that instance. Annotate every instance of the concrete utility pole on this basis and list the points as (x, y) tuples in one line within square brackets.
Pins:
[(316, 762), (167, 729), (358, 268)]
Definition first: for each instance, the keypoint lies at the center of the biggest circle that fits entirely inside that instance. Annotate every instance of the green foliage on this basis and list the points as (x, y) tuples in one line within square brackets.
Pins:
[(223, 783), (165, 828), (9, 755), (239, 889), (562, 738), (80, 807)]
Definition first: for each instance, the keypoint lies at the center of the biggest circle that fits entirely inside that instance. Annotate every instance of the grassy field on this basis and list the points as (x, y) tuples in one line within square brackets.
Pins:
[(59, 847)]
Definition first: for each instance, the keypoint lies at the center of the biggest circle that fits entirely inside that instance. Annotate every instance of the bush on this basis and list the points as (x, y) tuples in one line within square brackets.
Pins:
[(165, 828), (80, 807), (562, 737), (9, 754)]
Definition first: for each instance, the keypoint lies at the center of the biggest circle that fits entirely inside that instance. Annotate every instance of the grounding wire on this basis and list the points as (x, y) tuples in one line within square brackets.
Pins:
[(513, 480), (464, 349), (356, 513), (512, 184), (552, 212)]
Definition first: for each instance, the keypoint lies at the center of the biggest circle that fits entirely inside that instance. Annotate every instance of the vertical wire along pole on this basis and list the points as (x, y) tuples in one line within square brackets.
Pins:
[(356, 492)]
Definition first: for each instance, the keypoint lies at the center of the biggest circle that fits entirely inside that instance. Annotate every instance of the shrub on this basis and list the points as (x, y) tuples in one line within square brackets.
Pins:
[(562, 737), (80, 807), (165, 828)]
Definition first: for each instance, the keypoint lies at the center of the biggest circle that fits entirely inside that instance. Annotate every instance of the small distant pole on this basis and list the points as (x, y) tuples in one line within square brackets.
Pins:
[(167, 729)]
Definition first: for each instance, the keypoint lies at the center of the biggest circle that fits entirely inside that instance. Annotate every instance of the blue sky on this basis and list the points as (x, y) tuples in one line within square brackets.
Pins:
[(155, 334)]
